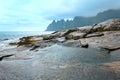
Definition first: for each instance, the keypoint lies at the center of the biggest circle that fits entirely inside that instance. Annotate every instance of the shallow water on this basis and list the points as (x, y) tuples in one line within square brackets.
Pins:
[(59, 63)]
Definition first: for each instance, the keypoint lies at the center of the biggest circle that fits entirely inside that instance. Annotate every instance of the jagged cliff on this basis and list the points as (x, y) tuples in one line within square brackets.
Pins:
[(83, 21)]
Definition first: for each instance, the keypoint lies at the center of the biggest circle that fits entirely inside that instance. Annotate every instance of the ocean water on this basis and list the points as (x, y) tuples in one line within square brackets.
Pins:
[(7, 37), (12, 35)]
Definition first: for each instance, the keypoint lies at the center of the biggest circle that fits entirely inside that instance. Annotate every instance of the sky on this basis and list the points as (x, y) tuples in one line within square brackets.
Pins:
[(36, 15)]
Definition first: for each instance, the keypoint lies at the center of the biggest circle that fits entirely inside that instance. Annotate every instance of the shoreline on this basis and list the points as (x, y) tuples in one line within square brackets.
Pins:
[(59, 60), (90, 53)]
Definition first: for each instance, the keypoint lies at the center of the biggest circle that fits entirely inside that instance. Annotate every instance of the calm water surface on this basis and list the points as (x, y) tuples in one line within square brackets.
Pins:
[(11, 35)]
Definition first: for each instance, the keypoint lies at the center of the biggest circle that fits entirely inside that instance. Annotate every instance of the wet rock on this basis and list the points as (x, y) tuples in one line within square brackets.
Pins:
[(26, 41), (13, 43), (34, 47), (44, 44), (40, 45), (2, 57)]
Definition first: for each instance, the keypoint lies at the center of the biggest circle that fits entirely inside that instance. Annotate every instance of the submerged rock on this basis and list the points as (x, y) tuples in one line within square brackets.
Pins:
[(71, 43)]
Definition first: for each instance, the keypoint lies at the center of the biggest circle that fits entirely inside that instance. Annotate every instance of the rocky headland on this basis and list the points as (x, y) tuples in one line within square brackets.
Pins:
[(82, 53), (105, 35), (79, 21)]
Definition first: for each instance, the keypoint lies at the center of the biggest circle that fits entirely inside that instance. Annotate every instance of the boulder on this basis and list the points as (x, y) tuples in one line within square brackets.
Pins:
[(83, 43)]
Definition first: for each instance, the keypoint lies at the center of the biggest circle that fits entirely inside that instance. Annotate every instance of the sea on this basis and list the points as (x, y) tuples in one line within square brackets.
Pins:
[(8, 37), (11, 35)]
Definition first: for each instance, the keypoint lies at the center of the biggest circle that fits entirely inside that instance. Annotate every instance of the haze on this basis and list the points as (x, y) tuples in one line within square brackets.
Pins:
[(35, 15)]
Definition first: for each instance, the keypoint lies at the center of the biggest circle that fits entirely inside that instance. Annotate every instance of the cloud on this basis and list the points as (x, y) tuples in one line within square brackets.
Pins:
[(82, 8), (18, 14)]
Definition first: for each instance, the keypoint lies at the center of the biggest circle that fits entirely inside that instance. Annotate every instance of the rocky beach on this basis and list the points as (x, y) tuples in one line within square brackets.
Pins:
[(82, 53)]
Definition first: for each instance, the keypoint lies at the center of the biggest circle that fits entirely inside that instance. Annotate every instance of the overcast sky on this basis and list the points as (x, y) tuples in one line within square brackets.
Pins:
[(35, 15)]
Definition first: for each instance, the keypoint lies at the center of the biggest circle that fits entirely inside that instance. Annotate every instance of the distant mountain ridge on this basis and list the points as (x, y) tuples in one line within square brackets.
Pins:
[(83, 21)]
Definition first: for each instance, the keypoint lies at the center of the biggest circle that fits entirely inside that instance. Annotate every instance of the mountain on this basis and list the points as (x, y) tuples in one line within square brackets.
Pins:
[(83, 21)]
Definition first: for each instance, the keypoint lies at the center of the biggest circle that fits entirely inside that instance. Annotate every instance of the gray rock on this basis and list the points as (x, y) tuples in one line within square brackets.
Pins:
[(111, 48), (62, 39), (97, 34), (103, 34), (75, 35), (83, 44)]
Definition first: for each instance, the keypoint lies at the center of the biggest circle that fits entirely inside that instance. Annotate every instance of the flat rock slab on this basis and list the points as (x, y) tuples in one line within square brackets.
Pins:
[(61, 63)]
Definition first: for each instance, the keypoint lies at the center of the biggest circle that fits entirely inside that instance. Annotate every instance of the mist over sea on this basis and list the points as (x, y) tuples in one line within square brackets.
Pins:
[(14, 34)]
